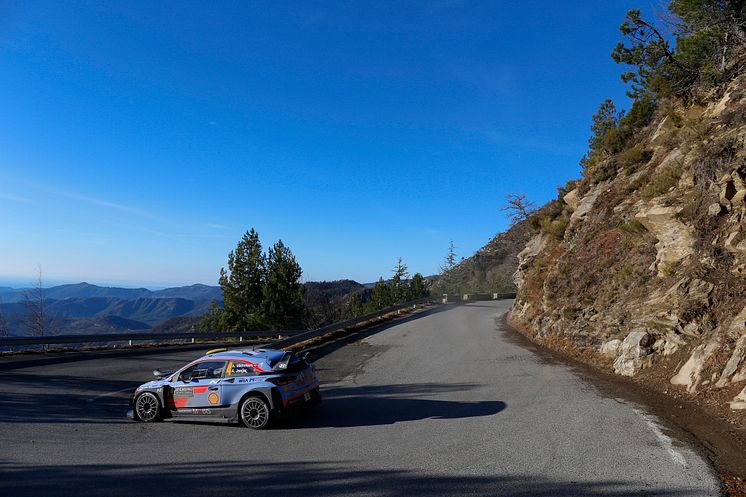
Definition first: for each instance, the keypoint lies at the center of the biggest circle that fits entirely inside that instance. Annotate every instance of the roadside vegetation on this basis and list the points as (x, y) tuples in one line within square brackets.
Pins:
[(263, 291)]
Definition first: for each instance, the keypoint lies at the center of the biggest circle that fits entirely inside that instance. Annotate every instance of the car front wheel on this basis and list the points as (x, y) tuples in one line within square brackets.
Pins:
[(255, 412), (147, 407)]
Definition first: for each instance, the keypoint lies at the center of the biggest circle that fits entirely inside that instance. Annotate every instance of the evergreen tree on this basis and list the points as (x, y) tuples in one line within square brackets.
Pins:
[(353, 306), (604, 120), (707, 34), (446, 270), (417, 287), (242, 284), (399, 282), (215, 319), (283, 293), (380, 296)]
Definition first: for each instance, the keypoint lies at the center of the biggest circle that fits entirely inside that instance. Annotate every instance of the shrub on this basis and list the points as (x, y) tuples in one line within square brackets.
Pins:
[(662, 182), (633, 156), (632, 226)]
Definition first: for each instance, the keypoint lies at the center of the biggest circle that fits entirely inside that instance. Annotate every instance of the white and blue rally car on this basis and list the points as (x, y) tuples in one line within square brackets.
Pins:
[(252, 387)]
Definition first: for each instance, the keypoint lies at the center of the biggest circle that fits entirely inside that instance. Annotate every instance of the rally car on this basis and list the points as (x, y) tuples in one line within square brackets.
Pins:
[(252, 387)]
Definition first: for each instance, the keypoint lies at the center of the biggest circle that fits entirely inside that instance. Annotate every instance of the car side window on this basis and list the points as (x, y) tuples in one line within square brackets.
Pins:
[(203, 371), (238, 368)]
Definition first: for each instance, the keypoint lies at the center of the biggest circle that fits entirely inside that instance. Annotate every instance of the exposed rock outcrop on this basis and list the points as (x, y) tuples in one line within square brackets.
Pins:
[(675, 239), (643, 260), (690, 374)]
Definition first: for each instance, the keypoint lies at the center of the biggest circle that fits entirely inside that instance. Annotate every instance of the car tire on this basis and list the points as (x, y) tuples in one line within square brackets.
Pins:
[(147, 408), (254, 412)]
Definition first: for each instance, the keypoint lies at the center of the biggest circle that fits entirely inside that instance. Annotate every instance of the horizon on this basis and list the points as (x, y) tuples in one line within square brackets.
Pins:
[(147, 139)]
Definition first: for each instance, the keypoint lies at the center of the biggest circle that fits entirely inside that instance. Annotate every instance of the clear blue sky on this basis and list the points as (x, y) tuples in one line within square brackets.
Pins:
[(140, 139)]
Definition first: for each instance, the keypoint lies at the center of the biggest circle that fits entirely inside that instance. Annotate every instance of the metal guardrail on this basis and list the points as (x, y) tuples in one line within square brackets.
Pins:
[(131, 337), (292, 336), (302, 337)]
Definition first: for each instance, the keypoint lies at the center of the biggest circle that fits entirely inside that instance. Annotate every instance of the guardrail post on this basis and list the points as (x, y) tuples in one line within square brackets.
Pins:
[(192, 340), (240, 339), (130, 343)]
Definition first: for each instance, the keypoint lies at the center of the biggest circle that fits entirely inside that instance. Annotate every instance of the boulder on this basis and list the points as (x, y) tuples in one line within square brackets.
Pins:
[(525, 256), (675, 239), (633, 353), (586, 203), (610, 348), (714, 209), (571, 199), (672, 344), (690, 374)]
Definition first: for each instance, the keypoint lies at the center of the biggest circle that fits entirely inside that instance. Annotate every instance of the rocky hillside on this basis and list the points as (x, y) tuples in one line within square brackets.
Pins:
[(640, 266), (490, 269)]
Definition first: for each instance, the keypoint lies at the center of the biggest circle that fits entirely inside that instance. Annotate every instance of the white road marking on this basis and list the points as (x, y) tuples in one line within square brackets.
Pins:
[(109, 394), (664, 440)]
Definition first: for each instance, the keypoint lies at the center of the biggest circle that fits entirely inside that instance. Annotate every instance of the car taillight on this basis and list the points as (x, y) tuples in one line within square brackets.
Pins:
[(281, 380)]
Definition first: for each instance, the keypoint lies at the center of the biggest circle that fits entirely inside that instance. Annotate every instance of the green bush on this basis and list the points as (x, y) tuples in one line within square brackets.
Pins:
[(662, 182), (633, 156), (632, 226)]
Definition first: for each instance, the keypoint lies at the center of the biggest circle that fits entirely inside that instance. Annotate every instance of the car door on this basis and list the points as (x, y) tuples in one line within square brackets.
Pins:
[(238, 378), (198, 386)]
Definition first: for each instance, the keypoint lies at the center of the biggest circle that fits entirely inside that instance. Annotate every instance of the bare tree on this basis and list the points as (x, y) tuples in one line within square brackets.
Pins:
[(4, 329), (36, 321), (518, 207)]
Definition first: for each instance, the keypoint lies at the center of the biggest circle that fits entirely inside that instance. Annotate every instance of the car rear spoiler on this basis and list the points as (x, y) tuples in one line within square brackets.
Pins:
[(282, 364)]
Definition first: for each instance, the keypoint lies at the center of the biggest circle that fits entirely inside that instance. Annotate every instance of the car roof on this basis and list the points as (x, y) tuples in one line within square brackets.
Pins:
[(251, 355)]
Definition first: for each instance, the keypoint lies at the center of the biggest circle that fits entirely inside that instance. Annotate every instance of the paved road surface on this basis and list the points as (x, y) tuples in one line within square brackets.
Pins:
[(442, 405)]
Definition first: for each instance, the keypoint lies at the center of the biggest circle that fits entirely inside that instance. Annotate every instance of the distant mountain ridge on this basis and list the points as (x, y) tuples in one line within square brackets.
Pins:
[(87, 290), (86, 308)]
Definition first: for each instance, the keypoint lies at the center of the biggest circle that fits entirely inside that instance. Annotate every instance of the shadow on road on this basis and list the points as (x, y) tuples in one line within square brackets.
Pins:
[(307, 479), (28, 398), (388, 404)]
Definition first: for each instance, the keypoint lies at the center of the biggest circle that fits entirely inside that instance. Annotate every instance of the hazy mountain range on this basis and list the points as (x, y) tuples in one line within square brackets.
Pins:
[(86, 308)]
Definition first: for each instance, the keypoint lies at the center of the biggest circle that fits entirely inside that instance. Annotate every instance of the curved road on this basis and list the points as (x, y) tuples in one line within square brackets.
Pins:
[(442, 405)]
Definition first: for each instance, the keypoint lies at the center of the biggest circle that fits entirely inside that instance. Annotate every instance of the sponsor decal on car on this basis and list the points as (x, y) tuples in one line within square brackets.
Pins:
[(213, 398), (183, 392)]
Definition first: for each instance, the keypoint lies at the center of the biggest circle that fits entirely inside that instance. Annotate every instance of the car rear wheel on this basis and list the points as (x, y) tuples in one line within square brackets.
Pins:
[(147, 407), (255, 412)]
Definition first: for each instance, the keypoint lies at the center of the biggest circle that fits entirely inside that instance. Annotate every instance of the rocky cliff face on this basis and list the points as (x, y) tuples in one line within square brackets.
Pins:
[(642, 270)]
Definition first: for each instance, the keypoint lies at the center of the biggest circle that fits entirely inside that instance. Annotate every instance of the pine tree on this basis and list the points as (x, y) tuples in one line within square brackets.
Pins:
[(605, 119), (353, 306), (283, 293), (215, 319), (380, 296), (242, 284), (399, 282), (417, 287), (449, 261), (446, 270)]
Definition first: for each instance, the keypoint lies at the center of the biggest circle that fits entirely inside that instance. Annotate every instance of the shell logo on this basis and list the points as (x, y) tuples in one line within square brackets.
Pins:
[(213, 398)]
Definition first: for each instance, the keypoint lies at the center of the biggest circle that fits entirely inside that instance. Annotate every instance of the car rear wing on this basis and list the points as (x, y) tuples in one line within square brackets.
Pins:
[(288, 358)]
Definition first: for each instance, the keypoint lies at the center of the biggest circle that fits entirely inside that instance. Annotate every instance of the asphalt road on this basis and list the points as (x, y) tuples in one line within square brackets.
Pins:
[(442, 405)]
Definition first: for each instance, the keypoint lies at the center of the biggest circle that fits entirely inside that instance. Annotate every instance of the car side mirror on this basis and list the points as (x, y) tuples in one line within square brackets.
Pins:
[(159, 374)]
